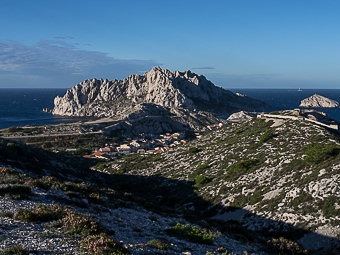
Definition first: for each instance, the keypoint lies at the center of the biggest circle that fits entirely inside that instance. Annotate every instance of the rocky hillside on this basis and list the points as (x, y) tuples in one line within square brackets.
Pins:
[(265, 186), (53, 204), (317, 101), (272, 177), (183, 94)]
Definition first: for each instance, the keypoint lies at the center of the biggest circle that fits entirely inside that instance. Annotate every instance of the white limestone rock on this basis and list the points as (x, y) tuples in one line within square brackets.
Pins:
[(242, 116), (317, 101), (103, 98)]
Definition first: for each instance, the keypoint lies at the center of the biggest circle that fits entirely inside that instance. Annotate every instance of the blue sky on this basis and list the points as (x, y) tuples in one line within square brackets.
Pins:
[(236, 44)]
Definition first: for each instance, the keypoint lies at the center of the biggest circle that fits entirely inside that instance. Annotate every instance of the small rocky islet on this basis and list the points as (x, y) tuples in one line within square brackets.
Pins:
[(318, 101)]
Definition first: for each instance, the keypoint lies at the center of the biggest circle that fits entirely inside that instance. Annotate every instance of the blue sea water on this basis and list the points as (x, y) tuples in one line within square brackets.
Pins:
[(283, 99), (20, 107)]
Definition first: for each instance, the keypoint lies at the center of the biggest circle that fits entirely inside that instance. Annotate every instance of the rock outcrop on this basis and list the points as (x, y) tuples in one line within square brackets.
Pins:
[(317, 101), (185, 97), (242, 116)]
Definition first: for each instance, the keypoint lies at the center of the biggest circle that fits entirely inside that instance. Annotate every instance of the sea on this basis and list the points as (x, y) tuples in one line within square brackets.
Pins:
[(24, 107)]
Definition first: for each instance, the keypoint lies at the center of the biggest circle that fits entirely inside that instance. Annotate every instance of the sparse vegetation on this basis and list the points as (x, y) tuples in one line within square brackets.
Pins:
[(41, 213), (240, 168), (283, 246), (15, 191), (77, 224), (158, 244), (193, 233), (266, 136), (317, 153), (194, 150), (201, 180), (15, 250), (102, 244)]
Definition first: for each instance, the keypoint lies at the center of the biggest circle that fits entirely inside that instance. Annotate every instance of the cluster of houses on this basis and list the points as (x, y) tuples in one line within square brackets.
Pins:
[(142, 146)]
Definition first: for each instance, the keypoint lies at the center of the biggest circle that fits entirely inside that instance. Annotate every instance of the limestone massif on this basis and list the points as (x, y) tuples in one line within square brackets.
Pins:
[(184, 96), (318, 101)]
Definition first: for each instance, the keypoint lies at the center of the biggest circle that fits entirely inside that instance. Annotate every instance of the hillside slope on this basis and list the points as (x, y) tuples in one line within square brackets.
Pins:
[(272, 177), (52, 204)]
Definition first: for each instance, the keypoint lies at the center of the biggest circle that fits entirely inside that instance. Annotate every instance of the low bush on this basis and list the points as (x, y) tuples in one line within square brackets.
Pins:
[(42, 213), (158, 244), (15, 191), (327, 206), (242, 167), (283, 246), (102, 244), (193, 233), (77, 224), (45, 182), (201, 180), (199, 170), (10, 176), (266, 136), (15, 250), (194, 150), (317, 153)]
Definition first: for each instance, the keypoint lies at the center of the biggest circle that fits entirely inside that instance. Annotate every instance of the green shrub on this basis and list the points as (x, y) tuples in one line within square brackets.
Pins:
[(242, 167), (302, 198), (267, 135), (10, 176), (194, 150), (157, 158), (134, 162), (77, 224), (327, 206), (193, 233), (158, 244), (7, 214), (101, 166), (42, 213), (15, 191), (102, 244), (316, 153), (284, 246), (199, 170), (45, 182), (15, 250), (201, 180)]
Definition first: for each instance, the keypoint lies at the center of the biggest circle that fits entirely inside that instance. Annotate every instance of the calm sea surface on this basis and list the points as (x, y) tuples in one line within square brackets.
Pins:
[(282, 99), (20, 107)]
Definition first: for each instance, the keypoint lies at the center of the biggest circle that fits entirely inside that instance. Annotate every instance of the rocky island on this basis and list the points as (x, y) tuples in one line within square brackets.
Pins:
[(158, 101), (317, 101)]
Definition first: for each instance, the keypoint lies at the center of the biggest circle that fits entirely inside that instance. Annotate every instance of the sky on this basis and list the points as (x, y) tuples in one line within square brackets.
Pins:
[(234, 43)]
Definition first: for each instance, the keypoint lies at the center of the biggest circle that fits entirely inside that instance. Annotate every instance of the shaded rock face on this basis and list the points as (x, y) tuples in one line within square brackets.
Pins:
[(155, 119), (103, 98), (317, 101)]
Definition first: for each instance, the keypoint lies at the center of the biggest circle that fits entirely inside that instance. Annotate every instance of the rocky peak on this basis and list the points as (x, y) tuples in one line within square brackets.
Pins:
[(159, 86)]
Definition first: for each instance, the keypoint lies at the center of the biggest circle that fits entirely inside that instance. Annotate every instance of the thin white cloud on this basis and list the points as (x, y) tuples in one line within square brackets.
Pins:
[(64, 37), (61, 64)]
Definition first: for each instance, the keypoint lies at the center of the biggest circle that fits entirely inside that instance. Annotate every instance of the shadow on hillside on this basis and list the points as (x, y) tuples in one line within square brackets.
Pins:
[(164, 196), (168, 196)]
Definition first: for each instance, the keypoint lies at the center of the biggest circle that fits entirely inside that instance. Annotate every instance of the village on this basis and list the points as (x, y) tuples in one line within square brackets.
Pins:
[(150, 145)]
